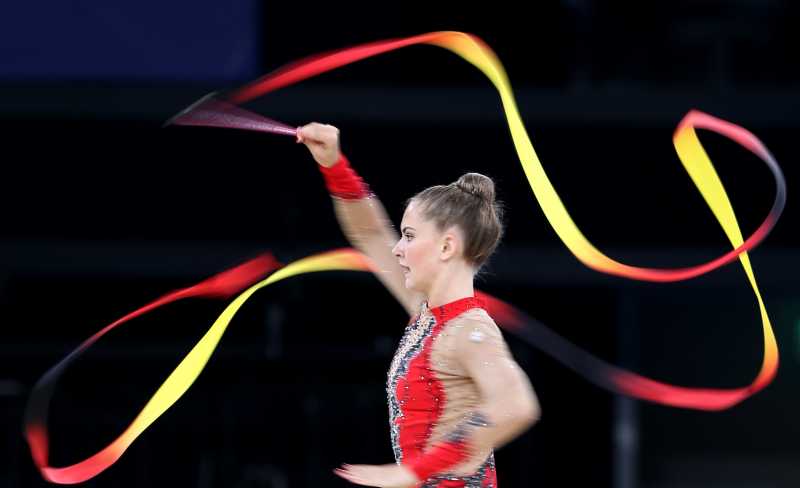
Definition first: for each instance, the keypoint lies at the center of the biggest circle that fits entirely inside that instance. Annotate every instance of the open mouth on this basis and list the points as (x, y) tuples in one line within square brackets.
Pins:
[(406, 269)]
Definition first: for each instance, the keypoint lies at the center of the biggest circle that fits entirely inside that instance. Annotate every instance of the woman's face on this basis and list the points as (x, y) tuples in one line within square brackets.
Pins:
[(417, 249)]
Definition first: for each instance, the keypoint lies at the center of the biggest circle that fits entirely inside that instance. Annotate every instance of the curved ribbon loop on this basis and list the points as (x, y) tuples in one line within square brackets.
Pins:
[(689, 149), (222, 285)]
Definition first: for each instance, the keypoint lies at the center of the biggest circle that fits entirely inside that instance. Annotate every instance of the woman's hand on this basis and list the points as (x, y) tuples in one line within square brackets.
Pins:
[(386, 475), (323, 142)]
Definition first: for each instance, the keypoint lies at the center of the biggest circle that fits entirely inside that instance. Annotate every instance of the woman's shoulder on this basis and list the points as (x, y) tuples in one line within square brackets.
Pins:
[(474, 322), (476, 315)]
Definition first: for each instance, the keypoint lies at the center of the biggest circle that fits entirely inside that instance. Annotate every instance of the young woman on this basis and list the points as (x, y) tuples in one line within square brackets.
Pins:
[(455, 392)]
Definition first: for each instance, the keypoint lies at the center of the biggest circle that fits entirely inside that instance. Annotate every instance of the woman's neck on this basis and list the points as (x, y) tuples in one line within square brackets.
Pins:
[(451, 285)]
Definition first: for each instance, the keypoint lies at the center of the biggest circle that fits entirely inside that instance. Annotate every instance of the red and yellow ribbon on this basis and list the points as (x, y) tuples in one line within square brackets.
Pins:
[(220, 111)]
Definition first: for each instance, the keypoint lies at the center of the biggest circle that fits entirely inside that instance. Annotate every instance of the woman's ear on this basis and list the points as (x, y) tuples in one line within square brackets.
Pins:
[(450, 245)]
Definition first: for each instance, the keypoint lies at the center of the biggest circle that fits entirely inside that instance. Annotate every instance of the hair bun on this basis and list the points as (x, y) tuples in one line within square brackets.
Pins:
[(478, 185), (470, 204)]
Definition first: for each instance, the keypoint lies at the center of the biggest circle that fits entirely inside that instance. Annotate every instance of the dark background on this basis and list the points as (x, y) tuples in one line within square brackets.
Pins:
[(104, 210)]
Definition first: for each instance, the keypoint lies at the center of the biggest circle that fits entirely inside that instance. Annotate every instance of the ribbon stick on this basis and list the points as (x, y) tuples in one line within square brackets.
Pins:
[(212, 112)]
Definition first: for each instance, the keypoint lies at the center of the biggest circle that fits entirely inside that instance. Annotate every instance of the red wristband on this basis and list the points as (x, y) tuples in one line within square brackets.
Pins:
[(438, 459), (343, 182)]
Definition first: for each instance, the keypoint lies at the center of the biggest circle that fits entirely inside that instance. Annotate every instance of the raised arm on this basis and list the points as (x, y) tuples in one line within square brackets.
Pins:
[(361, 215)]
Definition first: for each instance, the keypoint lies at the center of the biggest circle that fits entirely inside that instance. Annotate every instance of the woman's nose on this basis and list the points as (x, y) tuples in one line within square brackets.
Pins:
[(396, 248)]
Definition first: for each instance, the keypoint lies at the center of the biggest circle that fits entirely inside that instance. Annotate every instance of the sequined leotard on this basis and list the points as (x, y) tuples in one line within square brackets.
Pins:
[(433, 400), (430, 394)]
